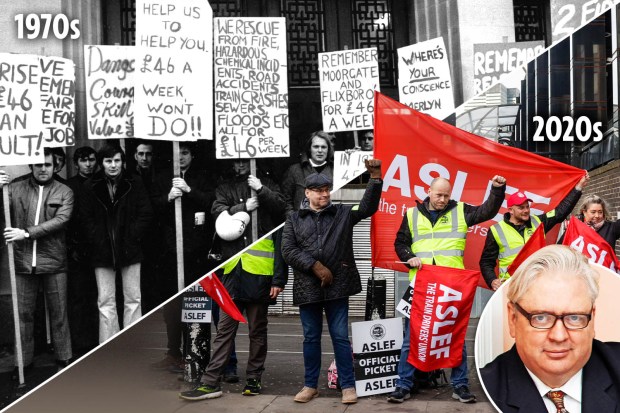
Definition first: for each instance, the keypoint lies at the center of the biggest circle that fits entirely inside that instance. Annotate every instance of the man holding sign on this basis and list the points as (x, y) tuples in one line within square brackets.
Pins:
[(434, 232)]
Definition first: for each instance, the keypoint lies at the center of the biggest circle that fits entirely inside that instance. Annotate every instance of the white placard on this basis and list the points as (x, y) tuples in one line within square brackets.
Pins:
[(376, 353), (348, 165), (251, 92), (21, 127), (348, 81), (109, 72), (196, 306), (173, 95), (57, 88), (424, 80)]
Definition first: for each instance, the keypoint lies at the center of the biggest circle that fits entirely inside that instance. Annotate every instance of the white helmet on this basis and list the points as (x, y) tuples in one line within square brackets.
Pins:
[(229, 228)]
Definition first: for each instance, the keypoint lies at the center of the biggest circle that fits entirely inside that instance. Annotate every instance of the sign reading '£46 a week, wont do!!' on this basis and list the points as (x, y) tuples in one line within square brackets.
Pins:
[(348, 81), (251, 92)]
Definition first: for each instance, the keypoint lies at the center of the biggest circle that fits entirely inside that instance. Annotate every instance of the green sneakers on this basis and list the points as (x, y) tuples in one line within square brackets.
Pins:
[(202, 392), (252, 387)]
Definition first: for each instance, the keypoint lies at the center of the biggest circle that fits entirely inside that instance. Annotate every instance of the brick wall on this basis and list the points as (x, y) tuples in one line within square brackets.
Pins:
[(605, 182)]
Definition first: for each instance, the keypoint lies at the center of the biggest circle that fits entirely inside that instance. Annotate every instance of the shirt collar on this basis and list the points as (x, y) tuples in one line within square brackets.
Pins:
[(571, 388)]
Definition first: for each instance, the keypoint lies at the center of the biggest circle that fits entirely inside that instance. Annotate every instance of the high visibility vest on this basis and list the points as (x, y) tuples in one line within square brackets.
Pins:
[(443, 243), (258, 259), (510, 242)]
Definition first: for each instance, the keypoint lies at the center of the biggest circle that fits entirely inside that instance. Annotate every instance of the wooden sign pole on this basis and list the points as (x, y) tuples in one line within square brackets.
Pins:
[(178, 218), (255, 212)]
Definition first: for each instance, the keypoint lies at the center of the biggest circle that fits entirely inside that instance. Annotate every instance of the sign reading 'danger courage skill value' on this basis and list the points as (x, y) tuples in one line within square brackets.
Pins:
[(196, 306), (173, 96), (376, 352), (251, 93), (424, 81), (109, 91), (348, 80)]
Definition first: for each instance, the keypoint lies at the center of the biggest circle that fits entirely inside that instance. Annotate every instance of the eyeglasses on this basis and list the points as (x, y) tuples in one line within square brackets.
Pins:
[(321, 190), (546, 321)]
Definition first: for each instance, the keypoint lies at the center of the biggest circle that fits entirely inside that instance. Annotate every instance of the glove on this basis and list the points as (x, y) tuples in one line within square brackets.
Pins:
[(323, 273)]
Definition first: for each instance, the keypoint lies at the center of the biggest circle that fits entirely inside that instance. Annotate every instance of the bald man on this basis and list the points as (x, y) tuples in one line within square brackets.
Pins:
[(433, 232)]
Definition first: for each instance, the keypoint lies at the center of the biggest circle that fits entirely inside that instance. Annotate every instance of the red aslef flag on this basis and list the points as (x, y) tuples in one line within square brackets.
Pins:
[(442, 300), (584, 239), (536, 242), (214, 288)]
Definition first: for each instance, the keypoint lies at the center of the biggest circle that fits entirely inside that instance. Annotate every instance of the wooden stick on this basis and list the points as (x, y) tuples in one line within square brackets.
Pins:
[(11, 255), (178, 218), (356, 140), (255, 212)]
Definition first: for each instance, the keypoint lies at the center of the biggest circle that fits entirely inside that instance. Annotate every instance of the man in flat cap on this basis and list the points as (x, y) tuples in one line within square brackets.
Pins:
[(317, 243)]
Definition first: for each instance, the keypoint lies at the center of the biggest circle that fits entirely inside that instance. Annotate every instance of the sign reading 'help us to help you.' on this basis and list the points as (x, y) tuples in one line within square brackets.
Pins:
[(174, 70), (376, 352), (251, 92), (110, 74), (424, 81), (348, 80)]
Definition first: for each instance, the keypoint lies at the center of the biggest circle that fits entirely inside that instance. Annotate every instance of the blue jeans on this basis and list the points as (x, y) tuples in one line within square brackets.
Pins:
[(337, 314), (458, 377)]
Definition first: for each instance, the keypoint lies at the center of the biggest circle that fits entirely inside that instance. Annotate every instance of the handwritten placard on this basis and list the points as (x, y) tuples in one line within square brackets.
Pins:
[(424, 81), (251, 93), (21, 126), (173, 96), (348, 81), (348, 165), (57, 89), (109, 74)]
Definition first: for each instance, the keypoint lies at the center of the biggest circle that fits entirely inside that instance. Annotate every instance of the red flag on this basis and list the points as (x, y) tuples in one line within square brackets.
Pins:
[(442, 300), (415, 148), (214, 288), (581, 237), (536, 242)]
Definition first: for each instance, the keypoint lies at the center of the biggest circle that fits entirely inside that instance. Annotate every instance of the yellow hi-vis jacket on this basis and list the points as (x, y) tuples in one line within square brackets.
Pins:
[(510, 242), (258, 259), (443, 243)]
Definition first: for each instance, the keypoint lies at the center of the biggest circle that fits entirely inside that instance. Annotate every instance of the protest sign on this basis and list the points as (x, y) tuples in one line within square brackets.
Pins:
[(416, 148), (376, 352), (442, 301), (196, 306), (424, 81), (109, 72), (492, 60), (173, 94), (348, 165), (251, 92), (348, 80), (21, 125), (582, 238), (404, 305), (568, 15), (57, 88)]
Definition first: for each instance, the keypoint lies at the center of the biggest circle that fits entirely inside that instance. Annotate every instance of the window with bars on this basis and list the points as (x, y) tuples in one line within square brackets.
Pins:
[(221, 8), (529, 20), (372, 27), (305, 31)]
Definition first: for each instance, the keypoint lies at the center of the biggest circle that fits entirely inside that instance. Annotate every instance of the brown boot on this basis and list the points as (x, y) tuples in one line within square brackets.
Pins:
[(349, 396), (306, 394)]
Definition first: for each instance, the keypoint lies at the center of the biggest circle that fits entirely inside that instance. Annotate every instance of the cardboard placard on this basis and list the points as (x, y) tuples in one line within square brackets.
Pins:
[(57, 89)]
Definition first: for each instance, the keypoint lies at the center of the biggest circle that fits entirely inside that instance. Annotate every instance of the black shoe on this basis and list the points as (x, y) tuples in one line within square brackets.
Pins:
[(399, 395), (202, 392), (230, 377), (463, 395), (252, 387)]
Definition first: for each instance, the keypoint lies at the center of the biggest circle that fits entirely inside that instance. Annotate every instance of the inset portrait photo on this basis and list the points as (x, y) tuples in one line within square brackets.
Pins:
[(548, 340)]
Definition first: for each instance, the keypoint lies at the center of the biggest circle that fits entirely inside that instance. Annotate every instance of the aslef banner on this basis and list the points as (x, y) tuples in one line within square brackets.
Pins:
[(416, 148), (581, 237)]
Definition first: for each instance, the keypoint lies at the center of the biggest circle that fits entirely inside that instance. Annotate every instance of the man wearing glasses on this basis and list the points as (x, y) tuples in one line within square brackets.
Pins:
[(556, 365)]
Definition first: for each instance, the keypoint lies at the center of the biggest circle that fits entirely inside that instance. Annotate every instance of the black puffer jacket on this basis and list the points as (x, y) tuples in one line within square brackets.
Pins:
[(114, 229), (326, 236)]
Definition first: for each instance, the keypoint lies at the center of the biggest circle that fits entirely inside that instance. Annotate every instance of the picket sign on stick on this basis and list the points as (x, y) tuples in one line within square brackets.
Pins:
[(178, 219), (16, 323), (255, 212)]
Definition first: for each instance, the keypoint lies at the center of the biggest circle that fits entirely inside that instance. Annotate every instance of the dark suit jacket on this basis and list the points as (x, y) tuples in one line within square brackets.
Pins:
[(512, 389)]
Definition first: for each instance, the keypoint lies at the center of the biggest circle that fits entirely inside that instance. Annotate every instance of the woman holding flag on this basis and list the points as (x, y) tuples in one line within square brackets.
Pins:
[(594, 213)]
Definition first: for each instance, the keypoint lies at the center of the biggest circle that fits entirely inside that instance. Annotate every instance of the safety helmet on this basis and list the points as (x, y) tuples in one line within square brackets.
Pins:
[(228, 227)]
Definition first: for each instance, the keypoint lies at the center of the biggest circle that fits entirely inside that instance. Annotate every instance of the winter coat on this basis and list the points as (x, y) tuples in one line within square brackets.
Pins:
[(326, 236), (293, 185), (114, 229), (56, 210)]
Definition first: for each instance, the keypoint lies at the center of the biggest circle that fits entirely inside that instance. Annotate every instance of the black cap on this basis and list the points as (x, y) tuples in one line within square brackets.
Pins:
[(317, 181)]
